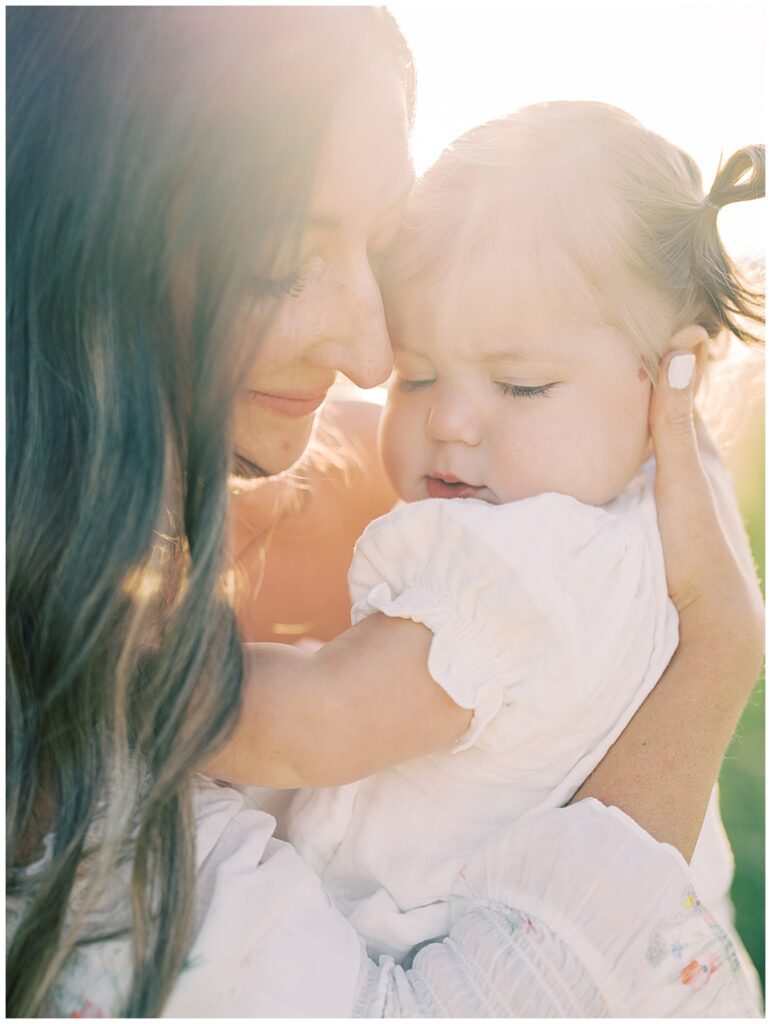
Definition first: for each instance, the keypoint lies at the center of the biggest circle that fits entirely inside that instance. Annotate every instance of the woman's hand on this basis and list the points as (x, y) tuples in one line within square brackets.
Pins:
[(662, 769), (706, 549)]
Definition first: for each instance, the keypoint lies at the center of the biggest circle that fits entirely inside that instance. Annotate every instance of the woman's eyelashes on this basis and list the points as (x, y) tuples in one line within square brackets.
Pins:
[(279, 287), (318, 268)]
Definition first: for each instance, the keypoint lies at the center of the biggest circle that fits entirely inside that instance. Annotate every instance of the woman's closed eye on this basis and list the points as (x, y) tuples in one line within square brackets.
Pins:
[(523, 390), (278, 287)]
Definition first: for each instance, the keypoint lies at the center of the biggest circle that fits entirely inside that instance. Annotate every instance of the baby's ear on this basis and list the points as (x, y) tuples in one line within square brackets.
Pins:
[(693, 338)]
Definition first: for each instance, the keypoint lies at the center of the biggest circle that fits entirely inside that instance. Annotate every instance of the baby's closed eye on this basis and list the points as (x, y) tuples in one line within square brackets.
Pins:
[(523, 390), (412, 384)]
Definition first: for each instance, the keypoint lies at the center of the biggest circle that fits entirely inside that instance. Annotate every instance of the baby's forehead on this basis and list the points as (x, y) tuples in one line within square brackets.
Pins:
[(509, 276), (440, 328)]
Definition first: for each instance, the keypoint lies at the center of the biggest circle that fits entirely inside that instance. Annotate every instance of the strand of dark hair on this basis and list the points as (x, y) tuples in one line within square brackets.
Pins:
[(118, 445)]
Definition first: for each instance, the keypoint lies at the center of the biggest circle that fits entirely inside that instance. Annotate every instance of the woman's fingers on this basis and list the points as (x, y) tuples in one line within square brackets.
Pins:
[(710, 577), (688, 521), (672, 421), (662, 768)]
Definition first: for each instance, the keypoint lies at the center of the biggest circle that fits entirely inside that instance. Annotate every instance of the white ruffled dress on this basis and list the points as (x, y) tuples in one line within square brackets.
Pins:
[(551, 620), (572, 912)]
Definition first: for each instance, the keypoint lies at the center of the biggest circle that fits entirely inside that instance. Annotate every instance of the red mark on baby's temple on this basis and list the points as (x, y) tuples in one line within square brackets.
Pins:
[(642, 373)]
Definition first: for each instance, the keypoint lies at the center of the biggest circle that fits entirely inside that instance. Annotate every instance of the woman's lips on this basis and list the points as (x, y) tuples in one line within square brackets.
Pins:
[(291, 406), (450, 487)]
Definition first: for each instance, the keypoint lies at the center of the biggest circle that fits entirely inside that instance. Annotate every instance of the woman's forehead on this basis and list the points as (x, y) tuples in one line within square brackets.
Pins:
[(364, 166)]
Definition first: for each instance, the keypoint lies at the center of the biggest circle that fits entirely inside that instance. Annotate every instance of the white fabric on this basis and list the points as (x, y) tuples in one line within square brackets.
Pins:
[(551, 620), (573, 912)]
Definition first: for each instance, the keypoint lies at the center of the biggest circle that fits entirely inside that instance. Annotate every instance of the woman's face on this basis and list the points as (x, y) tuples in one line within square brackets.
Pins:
[(330, 314)]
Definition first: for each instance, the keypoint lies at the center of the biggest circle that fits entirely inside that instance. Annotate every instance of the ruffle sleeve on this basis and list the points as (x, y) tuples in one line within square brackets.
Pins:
[(516, 595), (573, 912)]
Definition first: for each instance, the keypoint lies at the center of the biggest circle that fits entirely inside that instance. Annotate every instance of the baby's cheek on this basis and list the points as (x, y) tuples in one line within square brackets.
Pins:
[(630, 436), (604, 435), (393, 438)]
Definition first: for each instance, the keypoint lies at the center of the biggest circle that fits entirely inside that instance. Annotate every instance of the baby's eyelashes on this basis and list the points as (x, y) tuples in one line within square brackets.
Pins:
[(524, 391), (409, 384)]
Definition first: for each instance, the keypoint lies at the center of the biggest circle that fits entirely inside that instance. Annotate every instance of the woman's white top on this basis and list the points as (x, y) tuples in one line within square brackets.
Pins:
[(573, 912), (551, 620)]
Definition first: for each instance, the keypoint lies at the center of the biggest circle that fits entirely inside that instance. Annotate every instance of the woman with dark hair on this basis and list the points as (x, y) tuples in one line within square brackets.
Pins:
[(175, 176)]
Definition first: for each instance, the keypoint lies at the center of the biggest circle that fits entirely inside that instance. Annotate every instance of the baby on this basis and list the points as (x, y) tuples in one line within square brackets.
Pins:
[(547, 262)]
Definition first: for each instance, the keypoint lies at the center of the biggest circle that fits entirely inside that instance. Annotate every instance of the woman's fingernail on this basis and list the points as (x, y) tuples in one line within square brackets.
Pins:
[(680, 370)]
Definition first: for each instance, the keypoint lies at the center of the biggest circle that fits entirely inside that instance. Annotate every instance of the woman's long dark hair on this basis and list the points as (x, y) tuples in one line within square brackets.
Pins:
[(155, 158)]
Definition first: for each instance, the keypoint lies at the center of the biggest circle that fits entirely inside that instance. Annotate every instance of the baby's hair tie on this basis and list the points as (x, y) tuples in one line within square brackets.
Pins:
[(710, 204)]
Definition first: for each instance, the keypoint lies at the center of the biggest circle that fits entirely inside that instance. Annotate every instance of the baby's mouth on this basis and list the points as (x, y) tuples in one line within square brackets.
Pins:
[(450, 487)]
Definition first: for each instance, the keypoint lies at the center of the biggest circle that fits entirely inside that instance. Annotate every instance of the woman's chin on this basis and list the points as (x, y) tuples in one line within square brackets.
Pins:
[(268, 442), (276, 454)]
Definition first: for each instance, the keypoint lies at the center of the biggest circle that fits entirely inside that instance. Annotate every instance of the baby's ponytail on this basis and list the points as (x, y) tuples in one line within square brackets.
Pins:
[(732, 183), (734, 304)]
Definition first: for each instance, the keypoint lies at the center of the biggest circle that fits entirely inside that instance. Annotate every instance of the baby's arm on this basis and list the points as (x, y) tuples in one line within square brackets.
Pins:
[(362, 702)]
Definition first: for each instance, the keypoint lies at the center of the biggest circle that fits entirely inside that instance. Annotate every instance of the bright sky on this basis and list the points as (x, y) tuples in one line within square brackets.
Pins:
[(694, 72)]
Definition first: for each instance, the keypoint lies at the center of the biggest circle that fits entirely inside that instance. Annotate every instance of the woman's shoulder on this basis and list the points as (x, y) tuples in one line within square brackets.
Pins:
[(294, 546)]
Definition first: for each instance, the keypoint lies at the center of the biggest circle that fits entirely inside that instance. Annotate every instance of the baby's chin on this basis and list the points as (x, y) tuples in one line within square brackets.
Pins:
[(590, 492)]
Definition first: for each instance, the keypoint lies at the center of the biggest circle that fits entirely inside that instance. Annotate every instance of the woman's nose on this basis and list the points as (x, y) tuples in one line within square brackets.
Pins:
[(454, 418), (355, 338)]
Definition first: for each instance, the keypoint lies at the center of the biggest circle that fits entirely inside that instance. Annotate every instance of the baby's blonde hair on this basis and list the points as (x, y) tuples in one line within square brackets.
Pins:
[(610, 200)]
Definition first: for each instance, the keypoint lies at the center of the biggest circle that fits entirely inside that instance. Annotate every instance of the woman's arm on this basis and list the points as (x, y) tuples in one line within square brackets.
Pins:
[(662, 768)]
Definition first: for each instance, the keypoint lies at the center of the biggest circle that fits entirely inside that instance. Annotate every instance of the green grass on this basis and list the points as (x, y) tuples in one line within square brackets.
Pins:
[(742, 805), (742, 783)]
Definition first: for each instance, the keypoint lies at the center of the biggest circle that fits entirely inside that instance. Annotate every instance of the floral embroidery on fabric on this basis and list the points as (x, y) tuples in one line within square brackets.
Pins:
[(698, 972), (657, 951), (517, 921), (89, 1009), (529, 927), (693, 936)]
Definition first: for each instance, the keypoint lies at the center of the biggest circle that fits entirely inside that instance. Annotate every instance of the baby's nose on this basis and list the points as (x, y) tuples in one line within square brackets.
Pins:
[(454, 421)]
